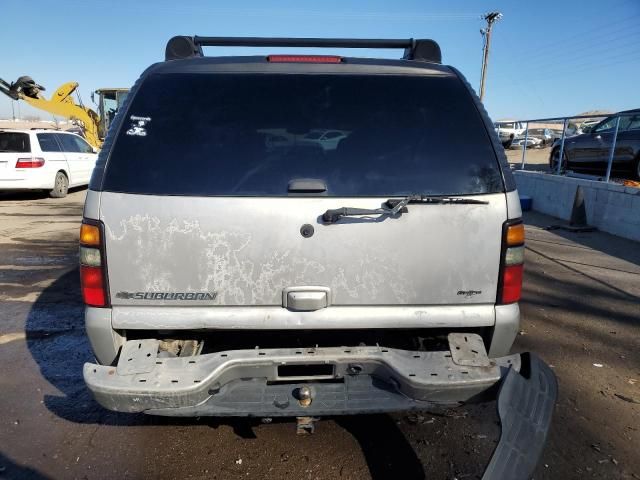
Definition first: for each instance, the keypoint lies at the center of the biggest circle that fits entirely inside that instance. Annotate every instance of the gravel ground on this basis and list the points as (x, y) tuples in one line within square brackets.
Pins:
[(580, 313)]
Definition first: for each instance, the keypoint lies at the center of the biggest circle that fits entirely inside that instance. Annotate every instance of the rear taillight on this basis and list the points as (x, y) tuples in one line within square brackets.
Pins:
[(304, 59), (92, 265), (30, 162), (93, 292), (511, 265)]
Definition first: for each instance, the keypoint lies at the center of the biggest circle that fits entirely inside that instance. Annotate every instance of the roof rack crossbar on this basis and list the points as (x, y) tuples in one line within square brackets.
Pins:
[(181, 47), (302, 42)]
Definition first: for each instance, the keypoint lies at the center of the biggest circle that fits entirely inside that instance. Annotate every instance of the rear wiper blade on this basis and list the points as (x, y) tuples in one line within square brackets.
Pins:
[(392, 202), (395, 206)]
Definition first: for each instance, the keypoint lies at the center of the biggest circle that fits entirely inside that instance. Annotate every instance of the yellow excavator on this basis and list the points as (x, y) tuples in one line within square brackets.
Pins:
[(94, 125)]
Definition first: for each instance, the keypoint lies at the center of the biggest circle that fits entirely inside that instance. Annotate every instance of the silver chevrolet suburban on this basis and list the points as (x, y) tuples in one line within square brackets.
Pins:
[(226, 274)]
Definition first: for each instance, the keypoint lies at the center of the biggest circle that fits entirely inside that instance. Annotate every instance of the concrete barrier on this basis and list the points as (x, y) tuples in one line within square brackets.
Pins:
[(610, 207)]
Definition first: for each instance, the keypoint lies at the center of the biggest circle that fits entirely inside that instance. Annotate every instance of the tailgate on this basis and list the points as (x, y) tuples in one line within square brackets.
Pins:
[(247, 251)]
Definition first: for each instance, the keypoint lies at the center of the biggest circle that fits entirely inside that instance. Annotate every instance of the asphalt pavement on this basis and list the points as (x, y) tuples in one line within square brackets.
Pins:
[(581, 313)]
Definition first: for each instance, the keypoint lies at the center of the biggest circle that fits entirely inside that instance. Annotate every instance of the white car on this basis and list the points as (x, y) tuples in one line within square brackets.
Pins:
[(44, 160), (532, 141), (508, 130)]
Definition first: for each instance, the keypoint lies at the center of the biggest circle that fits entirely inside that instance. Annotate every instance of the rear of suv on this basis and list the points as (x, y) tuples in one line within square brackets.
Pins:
[(42, 159), (227, 274)]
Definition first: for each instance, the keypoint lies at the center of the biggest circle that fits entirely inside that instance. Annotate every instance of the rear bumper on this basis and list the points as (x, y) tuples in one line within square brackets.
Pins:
[(37, 182), (248, 383), (361, 380), (343, 380)]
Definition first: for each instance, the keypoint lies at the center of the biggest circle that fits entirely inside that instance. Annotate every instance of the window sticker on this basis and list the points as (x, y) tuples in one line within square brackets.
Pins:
[(138, 126)]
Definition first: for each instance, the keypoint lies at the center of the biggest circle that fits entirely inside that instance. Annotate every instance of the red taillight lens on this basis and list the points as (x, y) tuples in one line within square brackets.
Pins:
[(93, 265), (304, 59), (511, 283), (92, 286), (30, 162), (511, 266)]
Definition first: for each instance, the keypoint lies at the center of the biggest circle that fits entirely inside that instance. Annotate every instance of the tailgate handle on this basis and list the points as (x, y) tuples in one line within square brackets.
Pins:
[(306, 298)]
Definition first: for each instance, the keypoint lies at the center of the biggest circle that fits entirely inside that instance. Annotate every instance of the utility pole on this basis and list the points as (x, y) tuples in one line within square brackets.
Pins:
[(490, 18)]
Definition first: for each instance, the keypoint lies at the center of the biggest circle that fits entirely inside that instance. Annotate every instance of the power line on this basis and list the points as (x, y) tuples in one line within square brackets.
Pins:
[(571, 60), (586, 33), (595, 64), (595, 44), (585, 68)]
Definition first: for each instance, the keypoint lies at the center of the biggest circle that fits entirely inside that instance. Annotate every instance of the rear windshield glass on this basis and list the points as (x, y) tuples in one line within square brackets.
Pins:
[(375, 135), (14, 142)]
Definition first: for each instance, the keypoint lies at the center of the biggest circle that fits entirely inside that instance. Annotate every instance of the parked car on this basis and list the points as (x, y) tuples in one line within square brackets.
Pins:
[(279, 140), (507, 131), (244, 280), (531, 142), (42, 159), (327, 139), (545, 135), (589, 152), (587, 125)]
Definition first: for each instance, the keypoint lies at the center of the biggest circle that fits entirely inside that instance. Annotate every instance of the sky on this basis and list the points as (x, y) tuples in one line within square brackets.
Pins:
[(547, 58)]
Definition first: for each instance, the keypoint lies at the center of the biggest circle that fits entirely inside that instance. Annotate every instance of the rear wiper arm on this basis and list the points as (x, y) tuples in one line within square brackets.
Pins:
[(395, 206)]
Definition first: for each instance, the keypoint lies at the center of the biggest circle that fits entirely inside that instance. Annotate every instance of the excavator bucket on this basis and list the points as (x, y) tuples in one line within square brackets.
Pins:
[(24, 85)]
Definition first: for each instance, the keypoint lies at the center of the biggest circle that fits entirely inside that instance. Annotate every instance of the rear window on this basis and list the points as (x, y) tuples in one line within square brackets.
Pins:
[(48, 142), (251, 134), (14, 142)]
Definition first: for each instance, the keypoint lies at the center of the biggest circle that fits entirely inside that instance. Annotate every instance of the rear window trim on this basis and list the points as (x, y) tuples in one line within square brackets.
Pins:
[(417, 71)]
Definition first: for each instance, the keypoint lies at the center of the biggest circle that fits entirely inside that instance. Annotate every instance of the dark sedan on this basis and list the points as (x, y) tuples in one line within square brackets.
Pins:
[(589, 152)]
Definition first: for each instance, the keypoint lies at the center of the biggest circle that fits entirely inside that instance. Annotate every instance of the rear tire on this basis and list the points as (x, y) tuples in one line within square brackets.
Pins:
[(553, 164), (60, 186)]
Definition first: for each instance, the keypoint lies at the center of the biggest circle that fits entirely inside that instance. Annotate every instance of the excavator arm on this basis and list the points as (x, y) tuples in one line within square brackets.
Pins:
[(61, 104)]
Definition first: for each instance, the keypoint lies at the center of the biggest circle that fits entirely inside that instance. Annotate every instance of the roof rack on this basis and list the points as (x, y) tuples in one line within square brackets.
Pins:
[(181, 47)]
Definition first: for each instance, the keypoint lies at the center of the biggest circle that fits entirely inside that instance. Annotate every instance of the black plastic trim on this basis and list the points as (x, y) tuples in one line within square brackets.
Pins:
[(507, 176), (97, 177)]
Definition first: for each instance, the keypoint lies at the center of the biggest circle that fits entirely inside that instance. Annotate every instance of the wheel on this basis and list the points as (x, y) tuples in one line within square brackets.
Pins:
[(60, 186), (553, 164), (637, 170)]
